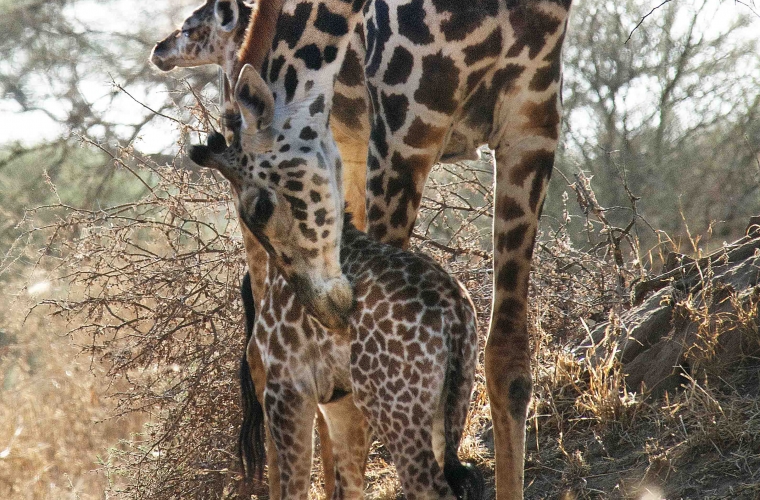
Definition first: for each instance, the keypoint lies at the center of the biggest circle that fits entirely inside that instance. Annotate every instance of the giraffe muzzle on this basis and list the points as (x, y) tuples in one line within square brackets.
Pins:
[(161, 56), (331, 302)]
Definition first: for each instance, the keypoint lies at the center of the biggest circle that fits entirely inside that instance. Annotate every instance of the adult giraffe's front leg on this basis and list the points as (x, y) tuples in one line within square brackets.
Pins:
[(350, 127), (350, 440), (353, 152)]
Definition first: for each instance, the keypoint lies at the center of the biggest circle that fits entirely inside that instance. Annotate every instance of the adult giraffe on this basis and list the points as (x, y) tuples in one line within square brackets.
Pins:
[(444, 77)]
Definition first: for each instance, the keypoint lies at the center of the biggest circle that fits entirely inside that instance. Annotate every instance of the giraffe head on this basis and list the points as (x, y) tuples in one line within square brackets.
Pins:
[(211, 35), (288, 196)]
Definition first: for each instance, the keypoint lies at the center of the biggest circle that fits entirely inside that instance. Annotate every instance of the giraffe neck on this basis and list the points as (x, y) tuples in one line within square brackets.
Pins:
[(259, 34), (227, 53), (308, 48), (229, 64)]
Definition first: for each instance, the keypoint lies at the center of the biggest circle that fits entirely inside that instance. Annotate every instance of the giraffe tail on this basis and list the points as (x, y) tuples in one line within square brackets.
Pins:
[(251, 439), (464, 478)]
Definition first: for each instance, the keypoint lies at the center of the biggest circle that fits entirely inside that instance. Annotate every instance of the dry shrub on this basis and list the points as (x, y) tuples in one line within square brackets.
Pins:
[(590, 437), (571, 290), (152, 299)]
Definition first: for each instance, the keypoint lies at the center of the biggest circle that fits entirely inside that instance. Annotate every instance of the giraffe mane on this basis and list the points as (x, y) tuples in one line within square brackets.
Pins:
[(259, 34)]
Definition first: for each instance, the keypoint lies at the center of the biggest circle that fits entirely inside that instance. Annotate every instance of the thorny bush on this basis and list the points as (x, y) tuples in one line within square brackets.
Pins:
[(153, 287)]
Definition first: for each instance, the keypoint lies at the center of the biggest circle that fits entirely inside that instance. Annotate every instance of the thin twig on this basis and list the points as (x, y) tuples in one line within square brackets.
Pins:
[(122, 89), (453, 251), (641, 21)]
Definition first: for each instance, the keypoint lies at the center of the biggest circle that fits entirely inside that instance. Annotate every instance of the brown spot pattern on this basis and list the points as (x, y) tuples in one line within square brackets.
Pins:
[(437, 90), (403, 332), (543, 117), (423, 135)]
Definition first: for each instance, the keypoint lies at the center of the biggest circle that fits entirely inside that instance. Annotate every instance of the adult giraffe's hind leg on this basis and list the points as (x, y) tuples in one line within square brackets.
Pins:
[(523, 168)]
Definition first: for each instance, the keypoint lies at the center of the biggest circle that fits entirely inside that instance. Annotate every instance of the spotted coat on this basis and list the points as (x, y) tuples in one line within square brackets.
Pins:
[(444, 77), (403, 368)]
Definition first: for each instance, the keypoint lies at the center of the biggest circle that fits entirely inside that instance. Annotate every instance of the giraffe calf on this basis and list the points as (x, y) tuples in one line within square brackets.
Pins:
[(403, 368)]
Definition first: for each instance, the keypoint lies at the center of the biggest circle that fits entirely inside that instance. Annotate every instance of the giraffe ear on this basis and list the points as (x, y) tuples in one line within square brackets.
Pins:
[(226, 14), (255, 100)]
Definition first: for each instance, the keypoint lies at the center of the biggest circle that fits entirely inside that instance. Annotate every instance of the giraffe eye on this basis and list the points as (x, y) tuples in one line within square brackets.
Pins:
[(186, 32)]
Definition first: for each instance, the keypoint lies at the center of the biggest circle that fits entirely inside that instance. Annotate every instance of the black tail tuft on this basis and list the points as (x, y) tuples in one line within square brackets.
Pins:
[(251, 440), (465, 479), (249, 306)]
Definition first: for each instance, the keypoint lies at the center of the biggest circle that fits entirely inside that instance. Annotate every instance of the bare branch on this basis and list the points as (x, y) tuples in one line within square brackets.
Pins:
[(641, 21)]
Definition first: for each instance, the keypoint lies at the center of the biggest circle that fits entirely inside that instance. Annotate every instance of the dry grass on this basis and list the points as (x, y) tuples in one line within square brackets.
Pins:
[(592, 437), (56, 428)]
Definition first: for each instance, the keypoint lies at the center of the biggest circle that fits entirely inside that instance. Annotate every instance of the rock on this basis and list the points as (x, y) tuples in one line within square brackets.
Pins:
[(699, 315)]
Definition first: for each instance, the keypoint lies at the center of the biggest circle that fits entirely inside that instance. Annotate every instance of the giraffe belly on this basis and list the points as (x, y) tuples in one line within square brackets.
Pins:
[(463, 144)]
